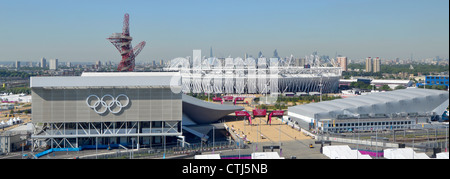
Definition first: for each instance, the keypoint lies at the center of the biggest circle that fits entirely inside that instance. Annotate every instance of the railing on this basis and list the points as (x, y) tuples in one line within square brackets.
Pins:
[(378, 142), (236, 157), (170, 151)]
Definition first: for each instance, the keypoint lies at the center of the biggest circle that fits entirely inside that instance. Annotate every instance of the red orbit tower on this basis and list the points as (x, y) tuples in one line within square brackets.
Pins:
[(122, 41)]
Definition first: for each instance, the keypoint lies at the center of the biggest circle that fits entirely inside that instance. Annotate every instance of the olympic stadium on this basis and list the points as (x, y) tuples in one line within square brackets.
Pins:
[(99, 110), (252, 76)]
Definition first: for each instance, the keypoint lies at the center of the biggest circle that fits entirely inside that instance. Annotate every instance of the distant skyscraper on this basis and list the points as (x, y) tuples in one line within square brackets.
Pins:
[(68, 64), (437, 58), (17, 64), (210, 52), (377, 65), (161, 63), (98, 64), (259, 54), (369, 64), (342, 63), (302, 62), (43, 62), (53, 64), (275, 54)]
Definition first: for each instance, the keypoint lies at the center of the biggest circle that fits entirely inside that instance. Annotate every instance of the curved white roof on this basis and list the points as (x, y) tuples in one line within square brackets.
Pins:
[(399, 101)]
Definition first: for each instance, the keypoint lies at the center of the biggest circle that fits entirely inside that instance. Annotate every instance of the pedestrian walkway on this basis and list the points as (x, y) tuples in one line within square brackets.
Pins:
[(260, 131)]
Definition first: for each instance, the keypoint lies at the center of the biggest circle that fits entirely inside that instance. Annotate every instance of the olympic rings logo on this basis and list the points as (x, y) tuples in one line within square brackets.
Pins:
[(107, 103)]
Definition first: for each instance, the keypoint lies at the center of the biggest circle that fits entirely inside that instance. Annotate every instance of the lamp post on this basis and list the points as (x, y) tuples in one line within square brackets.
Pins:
[(96, 147), (446, 138), (279, 131), (321, 86), (357, 144), (132, 148), (376, 142)]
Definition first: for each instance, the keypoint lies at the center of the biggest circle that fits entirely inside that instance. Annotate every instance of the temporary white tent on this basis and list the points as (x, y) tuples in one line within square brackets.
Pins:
[(386, 103), (10, 122), (3, 124), (266, 155), (343, 152), (209, 156), (443, 155), (403, 153)]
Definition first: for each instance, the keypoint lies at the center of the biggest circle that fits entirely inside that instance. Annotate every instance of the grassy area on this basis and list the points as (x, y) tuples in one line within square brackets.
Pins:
[(283, 102)]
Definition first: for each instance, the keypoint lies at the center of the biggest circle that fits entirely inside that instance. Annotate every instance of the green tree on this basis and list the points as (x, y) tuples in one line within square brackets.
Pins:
[(360, 85), (385, 88)]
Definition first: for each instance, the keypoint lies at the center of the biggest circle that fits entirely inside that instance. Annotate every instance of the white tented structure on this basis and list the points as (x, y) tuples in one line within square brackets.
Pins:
[(443, 155), (343, 152), (3, 125), (385, 110), (209, 156), (266, 155), (403, 153), (10, 122)]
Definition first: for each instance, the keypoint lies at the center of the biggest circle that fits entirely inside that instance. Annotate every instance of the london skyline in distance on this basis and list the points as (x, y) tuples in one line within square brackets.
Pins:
[(77, 31)]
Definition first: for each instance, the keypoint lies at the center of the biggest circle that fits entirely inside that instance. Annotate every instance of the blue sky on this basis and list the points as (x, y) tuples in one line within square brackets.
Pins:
[(77, 30)]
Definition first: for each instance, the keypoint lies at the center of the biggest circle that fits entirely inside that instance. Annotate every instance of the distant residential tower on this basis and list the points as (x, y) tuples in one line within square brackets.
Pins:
[(369, 64), (53, 64), (43, 62), (342, 63)]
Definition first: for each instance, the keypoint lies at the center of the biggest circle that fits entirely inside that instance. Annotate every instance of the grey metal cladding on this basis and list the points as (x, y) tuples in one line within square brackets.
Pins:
[(69, 105), (100, 81)]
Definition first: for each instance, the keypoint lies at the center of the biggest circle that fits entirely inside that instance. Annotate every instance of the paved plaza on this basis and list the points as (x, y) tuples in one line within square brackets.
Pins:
[(293, 142)]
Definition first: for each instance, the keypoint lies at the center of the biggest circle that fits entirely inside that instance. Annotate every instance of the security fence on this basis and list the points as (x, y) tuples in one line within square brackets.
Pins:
[(170, 151), (424, 140)]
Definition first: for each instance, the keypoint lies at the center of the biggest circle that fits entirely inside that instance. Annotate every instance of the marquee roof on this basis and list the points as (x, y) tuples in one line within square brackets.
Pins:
[(411, 100)]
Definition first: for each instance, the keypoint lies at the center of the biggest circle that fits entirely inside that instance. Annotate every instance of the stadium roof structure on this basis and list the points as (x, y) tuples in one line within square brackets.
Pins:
[(383, 104), (107, 79), (202, 112)]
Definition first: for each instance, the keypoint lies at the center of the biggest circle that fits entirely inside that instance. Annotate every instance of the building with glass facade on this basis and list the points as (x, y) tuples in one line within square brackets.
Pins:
[(437, 80)]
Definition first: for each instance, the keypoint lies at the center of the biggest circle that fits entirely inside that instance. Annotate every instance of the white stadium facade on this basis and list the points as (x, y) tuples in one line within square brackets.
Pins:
[(252, 76)]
